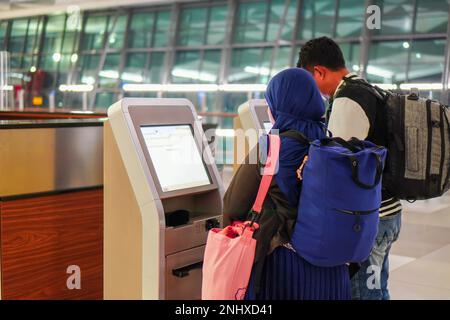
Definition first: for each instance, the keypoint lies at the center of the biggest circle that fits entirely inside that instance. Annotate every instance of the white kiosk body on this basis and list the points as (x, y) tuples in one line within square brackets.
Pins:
[(253, 121), (162, 194), (253, 115)]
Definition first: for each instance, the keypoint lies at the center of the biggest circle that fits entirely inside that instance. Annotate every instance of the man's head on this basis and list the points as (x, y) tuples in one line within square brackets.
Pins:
[(324, 59)]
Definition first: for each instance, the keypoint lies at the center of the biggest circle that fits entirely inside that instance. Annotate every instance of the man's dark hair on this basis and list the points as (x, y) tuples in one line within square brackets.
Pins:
[(321, 51)]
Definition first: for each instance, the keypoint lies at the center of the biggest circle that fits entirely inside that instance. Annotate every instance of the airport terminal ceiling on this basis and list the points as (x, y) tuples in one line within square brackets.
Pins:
[(215, 53)]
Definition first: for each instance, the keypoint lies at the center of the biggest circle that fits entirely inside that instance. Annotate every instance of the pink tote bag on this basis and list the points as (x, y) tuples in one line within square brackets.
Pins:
[(230, 252)]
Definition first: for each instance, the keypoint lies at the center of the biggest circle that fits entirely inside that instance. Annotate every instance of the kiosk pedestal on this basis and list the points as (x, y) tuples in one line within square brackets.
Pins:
[(163, 194)]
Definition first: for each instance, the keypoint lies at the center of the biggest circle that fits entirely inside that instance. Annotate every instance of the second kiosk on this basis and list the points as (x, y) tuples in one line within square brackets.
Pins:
[(253, 115), (253, 120)]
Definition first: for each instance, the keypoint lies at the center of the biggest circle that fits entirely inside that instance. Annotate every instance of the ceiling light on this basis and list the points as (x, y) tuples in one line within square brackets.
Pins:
[(56, 57), (421, 86), (76, 87)]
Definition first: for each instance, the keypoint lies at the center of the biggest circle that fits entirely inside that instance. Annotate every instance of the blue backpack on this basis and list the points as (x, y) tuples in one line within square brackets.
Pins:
[(339, 204)]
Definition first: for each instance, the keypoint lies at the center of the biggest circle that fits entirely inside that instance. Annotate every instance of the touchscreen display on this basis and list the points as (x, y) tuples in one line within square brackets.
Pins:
[(267, 126), (175, 156)]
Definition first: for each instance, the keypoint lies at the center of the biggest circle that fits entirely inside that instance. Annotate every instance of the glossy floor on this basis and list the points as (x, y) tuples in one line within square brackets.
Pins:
[(420, 259)]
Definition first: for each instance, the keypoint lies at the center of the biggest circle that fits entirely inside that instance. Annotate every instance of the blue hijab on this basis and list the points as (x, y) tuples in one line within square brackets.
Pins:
[(295, 103)]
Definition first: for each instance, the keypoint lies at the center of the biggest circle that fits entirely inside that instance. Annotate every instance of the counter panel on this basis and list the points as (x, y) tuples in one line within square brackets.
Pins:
[(42, 236)]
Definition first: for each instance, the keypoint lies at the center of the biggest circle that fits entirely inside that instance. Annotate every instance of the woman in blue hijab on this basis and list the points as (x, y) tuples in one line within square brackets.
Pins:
[(279, 272)]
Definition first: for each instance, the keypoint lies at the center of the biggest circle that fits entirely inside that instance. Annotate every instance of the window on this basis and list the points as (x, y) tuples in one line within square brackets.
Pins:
[(432, 16), (387, 62), (162, 29), (317, 19), (29, 61), (196, 66), (116, 28), (396, 16), (24, 38), (109, 75), (48, 63), (211, 66), (105, 99), (296, 57), (64, 66), (18, 35), (143, 68), (73, 28), (140, 35), (199, 26), (253, 65), (94, 32), (149, 29), (276, 17), (54, 34), (89, 68), (245, 65), (192, 27), (350, 18), (3, 28), (250, 23), (186, 68), (135, 67), (156, 67), (199, 45), (15, 62), (351, 55), (217, 25), (272, 62), (231, 101), (282, 60), (427, 60), (35, 27)]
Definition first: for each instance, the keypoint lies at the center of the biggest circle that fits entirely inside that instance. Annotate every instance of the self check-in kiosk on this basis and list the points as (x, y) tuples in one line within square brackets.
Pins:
[(163, 194), (253, 115), (253, 120)]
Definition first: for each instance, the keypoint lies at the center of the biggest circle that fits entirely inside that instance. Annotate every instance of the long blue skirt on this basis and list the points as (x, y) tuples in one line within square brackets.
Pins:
[(287, 276)]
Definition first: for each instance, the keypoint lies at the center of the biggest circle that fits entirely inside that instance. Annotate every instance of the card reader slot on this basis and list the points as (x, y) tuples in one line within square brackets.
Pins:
[(177, 218), (184, 271)]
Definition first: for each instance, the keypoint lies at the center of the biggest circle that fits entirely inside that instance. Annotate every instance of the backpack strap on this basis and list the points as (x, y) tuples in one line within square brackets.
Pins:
[(269, 172), (296, 135), (379, 93), (355, 145)]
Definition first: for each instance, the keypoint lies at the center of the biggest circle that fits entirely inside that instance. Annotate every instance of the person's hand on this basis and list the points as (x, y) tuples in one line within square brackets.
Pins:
[(236, 229), (300, 170)]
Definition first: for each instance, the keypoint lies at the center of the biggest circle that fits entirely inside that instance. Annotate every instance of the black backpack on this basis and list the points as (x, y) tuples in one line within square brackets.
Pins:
[(418, 143)]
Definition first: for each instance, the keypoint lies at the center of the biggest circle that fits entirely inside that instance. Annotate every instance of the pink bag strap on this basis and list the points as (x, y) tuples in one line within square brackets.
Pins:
[(269, 172)]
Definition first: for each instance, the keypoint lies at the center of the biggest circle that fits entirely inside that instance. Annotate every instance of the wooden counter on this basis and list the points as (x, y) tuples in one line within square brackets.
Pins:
[(51, 208), (41, 236)]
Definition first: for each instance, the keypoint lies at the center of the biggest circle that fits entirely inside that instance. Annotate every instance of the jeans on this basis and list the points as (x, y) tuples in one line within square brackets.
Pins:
[(371, 281)]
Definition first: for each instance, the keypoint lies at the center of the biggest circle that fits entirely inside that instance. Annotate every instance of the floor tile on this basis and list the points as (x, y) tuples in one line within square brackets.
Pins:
[(429, 206), (439, 218), (399, 290), (418, 240), (431, 270), (396, 261)]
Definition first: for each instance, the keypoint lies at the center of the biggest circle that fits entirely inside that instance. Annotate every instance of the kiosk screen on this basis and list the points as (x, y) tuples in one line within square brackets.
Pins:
[(267, 126), (175, 156)]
